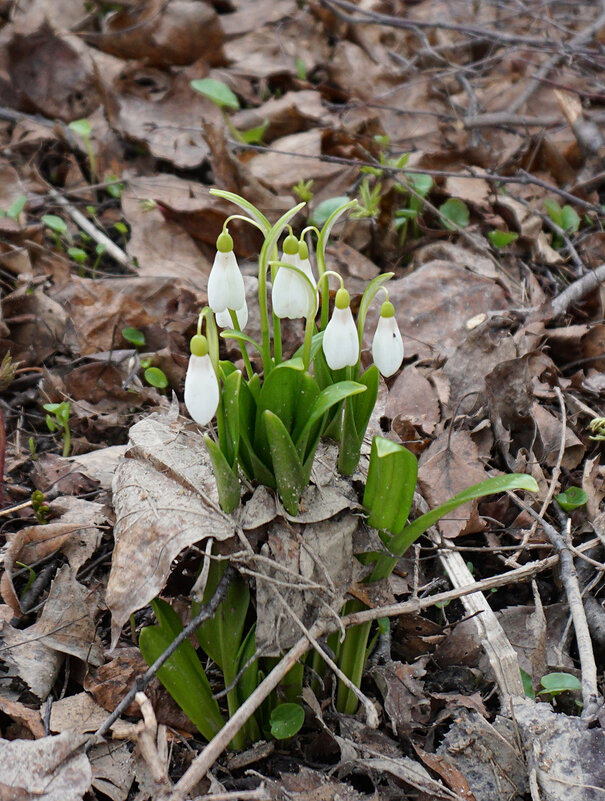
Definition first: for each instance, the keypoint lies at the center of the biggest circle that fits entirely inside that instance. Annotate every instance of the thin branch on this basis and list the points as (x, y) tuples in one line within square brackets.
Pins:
[(577, 291)]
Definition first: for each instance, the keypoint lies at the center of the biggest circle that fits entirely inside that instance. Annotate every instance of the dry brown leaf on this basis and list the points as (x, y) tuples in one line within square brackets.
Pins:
[(79, 713), (164, 34), (25, 656), (450, 465), (412, 398), (29, 718), (67, 623), (165, 499), (289, 114), (37, 324), (112, 770), (548, 442), (49, 769), (404, 696)]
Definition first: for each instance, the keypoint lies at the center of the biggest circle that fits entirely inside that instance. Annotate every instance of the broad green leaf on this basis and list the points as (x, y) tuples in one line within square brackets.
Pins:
[(352, 658), (248, 680), (225, 475), (402, 540), (156, 377), (182, 674), (570, 222), (308, 391), (217, 91), (357, 413), (286, 720), (500, 239), (572, 498), (287, 467), (81, 127), (77, 254), (421, 182), (279, 393), (327, 398), (244, 205), (232, 385), (390, 485), (454, 213), (556, 683), (528, 686), (55, 223), (16, 207), (326, 208)]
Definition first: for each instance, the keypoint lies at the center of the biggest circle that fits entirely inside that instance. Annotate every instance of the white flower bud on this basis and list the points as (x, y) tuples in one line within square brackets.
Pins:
[(225, 284), (340, 340), (201, 383), (387, 346)]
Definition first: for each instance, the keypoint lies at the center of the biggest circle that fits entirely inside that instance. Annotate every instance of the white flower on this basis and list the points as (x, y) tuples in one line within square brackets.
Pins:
[(201, 383), (223, 319), (291, 295), (225, 283), (340, 340), (387, 346)]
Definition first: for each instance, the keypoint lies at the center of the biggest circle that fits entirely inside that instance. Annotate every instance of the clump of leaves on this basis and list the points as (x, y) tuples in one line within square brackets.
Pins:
[(153, 375), (571, 499), (565, 218), (222, 96), (58, 419)]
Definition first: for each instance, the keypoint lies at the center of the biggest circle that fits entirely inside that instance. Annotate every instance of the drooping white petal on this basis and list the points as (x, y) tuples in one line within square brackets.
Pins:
[(340, 341), (223, 319), (387, 346), (225, 283), (305, 266), (290, 295), (201, 389)]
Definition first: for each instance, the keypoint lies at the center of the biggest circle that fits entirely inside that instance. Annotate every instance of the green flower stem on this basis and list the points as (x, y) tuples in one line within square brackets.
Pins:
[(320, 254), (277, 343), (242, 344), (308, 341), (245, 219)]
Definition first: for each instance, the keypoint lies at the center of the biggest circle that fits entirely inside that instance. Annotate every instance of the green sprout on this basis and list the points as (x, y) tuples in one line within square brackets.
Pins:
[(14, 210), (153, 375), (566, 219), (41, 509), (83, 128), (454, 214), (58, 418), (58, 228), (571, 499), (500, 239), (597, 426), (302, 190), (222, 97), (557, 683)]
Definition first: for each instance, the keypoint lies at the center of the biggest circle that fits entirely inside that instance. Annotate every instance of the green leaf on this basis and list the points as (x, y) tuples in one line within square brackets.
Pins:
[(287, 468), (81, 127), (279, 394), (401, 541), (134, 336), (225, 475), (231, 333), (326, 208), (327, 398), (390, 485), (570, 222), (245, 205), (217, 91), (308, 391), (156, 377), (420, 182), (55, 223), (286, 720), (358, 410), (77, 254), (454, 213), (554, 211), (182, 674), (368, 296), (528, 687), (16, 207), (500, 239), (556, 683), (254, 136), (230, 397), (572, 498)]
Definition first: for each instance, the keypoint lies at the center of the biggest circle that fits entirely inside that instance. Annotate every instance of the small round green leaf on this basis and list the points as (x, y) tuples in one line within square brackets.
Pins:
[(326, 208), (500, 239), (156, 377), (421, 183), (570, 221), (286, 720), (77, 254), (55, 223), (217, 91), (82, 127), (454, 213), (134, 336), (572, 498), (555, 683)]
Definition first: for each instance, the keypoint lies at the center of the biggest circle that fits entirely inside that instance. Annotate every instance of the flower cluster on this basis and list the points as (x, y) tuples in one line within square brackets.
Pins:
[(270, 426)]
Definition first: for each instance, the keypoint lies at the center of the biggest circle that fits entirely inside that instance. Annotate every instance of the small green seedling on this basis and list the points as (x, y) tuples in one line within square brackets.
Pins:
[(528, 685), (597, 427), (30, 579), (500, 239), (301, 70), (418, 187), (41, 509), (153, 375), (369, 201), (454, 214), (565, 218), (31, 444), (115, 187), (58, 228), (78, 255), (222, 96), (571, 499), (302, 190), (326, 208), (84, 129), (58, 418), (556, 683), (286, 720), (15, 208)]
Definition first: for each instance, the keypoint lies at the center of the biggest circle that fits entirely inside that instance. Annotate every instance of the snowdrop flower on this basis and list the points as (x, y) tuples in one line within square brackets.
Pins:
[(201, 383), (291, 296), (387, 346), (223, 319), (226, 283), (340, 341)]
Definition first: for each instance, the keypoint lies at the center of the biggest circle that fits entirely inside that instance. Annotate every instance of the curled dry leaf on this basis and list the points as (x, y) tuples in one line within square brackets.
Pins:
[(27, 718), (49, 769), (165, 499)]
